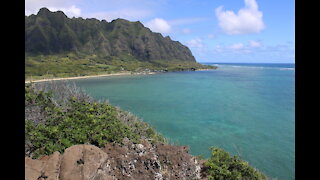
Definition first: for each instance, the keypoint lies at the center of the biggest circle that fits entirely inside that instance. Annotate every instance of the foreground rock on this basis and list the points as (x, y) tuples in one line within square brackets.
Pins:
[(126, 161)]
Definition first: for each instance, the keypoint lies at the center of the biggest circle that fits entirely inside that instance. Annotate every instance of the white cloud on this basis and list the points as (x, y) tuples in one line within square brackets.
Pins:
[(247, 20), (183, 21), (166, 26), (211, 36), (70, 11), (254, 43), (186, 31), (159, 25), (198, 47), (132, 10), (33, 6), (195, 43), (245, 49), (236, 46), (129, 14), (218, 48)]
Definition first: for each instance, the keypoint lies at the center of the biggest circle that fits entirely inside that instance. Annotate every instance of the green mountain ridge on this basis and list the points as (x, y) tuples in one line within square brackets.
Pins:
[(58, 46), (53, 33)]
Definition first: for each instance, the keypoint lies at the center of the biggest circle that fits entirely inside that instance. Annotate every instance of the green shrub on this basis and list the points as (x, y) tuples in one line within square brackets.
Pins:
[(76, 121), (223, 166)]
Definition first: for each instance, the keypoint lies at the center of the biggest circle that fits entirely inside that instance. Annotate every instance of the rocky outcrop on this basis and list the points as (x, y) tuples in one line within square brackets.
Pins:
[(79, 162), (125, 161)]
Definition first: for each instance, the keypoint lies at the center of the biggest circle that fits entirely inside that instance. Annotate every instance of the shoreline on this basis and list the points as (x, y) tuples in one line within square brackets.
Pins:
[(90, 76), (100, 75)]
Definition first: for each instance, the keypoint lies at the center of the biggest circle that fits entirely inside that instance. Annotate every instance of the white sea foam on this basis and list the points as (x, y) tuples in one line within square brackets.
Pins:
[(284, 69), (259, 67), (253, 67)]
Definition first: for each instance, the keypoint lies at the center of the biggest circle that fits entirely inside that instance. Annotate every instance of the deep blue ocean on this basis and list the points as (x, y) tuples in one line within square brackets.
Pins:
[(246, 109)]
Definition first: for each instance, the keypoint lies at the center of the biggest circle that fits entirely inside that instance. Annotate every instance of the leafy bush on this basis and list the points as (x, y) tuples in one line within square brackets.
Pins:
[(75, 121), (223, 166)]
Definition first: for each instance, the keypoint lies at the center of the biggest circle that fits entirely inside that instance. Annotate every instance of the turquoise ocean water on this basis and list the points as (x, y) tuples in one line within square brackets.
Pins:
[(246, 109)]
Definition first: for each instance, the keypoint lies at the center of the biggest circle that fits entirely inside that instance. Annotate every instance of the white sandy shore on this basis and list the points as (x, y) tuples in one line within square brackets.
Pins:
[(83, 77)]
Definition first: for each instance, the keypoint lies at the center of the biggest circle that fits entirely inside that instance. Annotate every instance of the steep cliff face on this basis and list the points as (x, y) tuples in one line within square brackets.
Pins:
[(53, 33)]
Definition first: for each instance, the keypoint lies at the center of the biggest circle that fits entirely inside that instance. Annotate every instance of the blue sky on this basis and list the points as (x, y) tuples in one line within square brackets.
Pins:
[(256, 31)]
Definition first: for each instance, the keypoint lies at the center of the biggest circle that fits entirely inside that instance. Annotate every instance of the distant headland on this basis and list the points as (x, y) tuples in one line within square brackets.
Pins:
[(58, 46)]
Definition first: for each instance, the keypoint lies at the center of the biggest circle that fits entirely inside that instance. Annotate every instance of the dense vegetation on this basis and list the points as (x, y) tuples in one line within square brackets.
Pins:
[(59, 115), (66, 65), (54, 33), (223, 166), (59, 46)]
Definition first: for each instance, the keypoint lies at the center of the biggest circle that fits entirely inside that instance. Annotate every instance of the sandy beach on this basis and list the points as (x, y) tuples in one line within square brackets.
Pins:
[(91, 76), (101, 75)]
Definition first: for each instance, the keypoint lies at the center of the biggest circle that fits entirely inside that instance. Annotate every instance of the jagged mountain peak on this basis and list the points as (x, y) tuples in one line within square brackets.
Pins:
[(53, 33)]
